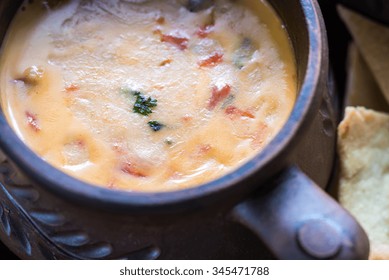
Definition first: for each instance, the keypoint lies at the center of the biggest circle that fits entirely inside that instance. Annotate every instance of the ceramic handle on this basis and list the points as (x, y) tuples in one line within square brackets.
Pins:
[(298, 220)]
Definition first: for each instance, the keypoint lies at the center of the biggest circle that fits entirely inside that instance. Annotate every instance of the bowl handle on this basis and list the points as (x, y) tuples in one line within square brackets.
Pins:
[(298, 220)]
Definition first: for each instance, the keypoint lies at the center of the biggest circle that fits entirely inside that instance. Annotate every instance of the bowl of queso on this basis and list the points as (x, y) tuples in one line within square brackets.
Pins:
[(168, 120)]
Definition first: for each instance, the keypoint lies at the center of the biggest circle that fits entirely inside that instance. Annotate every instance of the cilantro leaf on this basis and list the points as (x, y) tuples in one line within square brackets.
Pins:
[(143, 104), (156, 126)]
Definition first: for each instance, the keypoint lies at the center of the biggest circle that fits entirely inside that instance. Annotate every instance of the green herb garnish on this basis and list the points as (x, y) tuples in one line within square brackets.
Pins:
[(156, 126), (244, 53), (143, 104)]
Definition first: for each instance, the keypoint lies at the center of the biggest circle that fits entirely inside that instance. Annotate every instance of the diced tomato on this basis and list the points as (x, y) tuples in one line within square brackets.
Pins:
[(211, 61), (233, 112), (180, 42), (33, 121), (130, 169), (204, 31), (218, 95), (128, 164), (72, 88)]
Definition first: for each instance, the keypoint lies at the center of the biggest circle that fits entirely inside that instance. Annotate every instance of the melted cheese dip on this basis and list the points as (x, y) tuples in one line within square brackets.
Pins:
[(144, 95)]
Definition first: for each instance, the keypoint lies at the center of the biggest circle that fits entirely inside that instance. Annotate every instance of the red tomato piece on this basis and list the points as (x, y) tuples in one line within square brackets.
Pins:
[(233, 112), (218, 95), (130, 169), (180, 42), (211, 61)]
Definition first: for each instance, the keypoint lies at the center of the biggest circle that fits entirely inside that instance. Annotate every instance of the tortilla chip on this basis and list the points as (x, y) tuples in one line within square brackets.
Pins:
[(362, 89), (364, 185), (372, 40)]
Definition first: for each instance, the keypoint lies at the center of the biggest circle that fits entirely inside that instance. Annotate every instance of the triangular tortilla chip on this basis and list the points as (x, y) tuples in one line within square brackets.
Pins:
[(372, 39), (364, 178), (362, 89)]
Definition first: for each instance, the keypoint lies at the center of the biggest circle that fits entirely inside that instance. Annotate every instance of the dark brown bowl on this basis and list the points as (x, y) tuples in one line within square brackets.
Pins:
[(46, 214)]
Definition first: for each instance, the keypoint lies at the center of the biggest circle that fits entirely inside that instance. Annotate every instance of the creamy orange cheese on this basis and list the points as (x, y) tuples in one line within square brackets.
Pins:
[(145, 95)]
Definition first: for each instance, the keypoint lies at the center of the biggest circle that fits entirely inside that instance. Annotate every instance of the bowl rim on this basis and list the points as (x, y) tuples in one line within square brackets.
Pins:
[(83, 193)]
